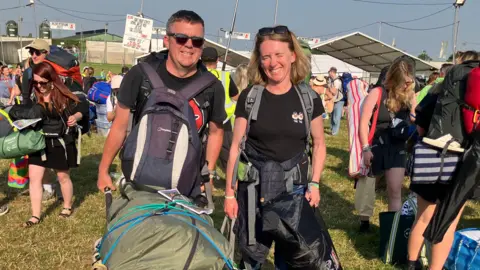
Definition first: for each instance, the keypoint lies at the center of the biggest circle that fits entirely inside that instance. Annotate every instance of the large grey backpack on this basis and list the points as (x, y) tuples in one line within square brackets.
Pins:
[(163, 150)]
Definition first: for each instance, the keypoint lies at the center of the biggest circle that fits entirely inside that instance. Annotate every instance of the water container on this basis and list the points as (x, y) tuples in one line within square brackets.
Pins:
[(101, 110), (103, 127)]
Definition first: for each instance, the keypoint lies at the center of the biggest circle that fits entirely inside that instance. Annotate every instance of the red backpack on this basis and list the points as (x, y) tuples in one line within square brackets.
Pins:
[(471, 110), (67, 66)]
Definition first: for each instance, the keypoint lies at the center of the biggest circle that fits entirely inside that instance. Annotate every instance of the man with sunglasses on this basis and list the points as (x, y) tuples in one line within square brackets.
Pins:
[(38, 50), (176, 67)]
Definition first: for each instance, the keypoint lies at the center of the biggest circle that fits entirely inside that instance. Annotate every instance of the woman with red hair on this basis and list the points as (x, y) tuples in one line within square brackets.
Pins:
[(60, 110)]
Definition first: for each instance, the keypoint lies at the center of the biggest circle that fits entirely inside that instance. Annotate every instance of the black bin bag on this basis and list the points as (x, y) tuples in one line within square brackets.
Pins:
[(300, 234)]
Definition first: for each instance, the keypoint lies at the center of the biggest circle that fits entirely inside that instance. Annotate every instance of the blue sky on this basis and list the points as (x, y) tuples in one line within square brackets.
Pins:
[(310, 18)]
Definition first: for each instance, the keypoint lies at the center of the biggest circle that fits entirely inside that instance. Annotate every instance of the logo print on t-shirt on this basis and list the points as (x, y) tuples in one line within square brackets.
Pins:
[(295, 117), (199, 117), (300, 118)]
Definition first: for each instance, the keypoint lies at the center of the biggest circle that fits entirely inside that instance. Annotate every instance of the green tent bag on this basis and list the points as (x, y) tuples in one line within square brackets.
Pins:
[(18, 144), (178, 240)]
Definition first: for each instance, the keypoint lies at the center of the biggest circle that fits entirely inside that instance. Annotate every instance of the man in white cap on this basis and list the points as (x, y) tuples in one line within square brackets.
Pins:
[(112, 98)]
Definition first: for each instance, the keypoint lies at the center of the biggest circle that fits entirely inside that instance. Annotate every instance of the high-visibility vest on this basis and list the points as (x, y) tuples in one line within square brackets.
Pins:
[(230, 105)]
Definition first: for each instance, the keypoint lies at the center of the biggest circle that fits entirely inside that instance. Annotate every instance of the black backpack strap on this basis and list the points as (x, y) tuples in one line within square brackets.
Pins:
[(200, 83), (151, 75), (306, 99), (145, 90), (252, 105)]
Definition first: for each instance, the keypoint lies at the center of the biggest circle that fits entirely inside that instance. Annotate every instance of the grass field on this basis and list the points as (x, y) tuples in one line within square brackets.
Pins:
[(114, 68), (67, 244)]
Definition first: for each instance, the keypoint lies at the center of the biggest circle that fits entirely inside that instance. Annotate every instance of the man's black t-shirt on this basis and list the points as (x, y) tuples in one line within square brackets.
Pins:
[(279, 132), (215, 95)]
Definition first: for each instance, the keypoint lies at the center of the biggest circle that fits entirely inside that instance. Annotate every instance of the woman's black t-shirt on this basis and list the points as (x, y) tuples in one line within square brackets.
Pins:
[(279, 131)]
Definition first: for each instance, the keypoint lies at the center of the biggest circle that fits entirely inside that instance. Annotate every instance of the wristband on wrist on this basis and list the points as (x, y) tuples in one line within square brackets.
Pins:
[(229, 197), (366, 148), (313, 184), (212, 174)]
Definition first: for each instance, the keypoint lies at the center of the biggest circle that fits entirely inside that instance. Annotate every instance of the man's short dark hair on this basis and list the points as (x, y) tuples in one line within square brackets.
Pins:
[(125, 69), (184, 16)]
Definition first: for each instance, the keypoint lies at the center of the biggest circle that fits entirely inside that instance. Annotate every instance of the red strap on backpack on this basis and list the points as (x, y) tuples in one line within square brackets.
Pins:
[(375, 117)]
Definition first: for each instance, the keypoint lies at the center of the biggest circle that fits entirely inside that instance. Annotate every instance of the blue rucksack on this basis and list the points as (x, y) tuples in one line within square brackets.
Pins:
[(346, 78), (99, 92)]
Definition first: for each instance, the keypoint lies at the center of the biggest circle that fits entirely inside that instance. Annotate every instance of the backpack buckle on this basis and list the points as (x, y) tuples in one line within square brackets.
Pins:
[(476, 118)]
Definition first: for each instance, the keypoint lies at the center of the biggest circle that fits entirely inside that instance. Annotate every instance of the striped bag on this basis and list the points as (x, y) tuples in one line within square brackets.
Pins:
[(430, 165), (356, 92), (18, 172)]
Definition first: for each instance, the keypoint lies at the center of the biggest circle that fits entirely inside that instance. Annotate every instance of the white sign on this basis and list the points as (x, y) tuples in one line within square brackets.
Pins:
[(238, 35), (160, 31), (138, 33), (62, 26), (310, 41)]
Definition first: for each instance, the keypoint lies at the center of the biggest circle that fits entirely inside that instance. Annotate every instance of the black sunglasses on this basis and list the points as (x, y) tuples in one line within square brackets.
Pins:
[(36, 52), (43, 84), (280, 29), (181, 39)]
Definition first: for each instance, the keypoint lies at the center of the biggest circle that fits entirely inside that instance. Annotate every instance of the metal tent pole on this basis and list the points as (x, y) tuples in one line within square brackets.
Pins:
[(230, 36)]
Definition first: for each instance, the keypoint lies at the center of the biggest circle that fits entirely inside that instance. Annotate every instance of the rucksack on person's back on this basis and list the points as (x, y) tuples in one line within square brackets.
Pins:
[(471, 112), (67, 67), (346, 78), (447, 116), (163, 149), (99, 92)]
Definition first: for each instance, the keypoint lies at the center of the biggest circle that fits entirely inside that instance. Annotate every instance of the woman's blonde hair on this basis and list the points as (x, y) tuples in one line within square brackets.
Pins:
[(300, 68), (398, 96), (240, 77), (467, 56)]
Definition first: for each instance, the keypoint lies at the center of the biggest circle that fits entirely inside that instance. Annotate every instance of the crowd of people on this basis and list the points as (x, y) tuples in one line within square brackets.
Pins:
[(263, 124)]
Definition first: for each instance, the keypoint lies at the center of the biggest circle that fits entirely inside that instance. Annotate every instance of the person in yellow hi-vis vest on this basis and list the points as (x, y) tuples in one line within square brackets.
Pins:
[(210, 60)]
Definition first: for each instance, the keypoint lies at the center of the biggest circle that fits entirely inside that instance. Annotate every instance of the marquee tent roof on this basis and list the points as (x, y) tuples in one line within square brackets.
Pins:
[(365, 52), (234, 58)]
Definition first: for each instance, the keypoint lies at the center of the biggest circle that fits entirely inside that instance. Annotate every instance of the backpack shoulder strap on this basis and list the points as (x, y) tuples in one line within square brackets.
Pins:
[(252, 105), (306, 99), (151, 75), (376, 110), (199, 84)]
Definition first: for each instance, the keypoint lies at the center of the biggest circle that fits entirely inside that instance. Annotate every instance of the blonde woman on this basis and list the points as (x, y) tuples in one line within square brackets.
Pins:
[(275, 144), (387, 154), (241, 77)]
